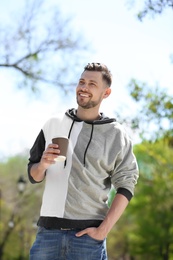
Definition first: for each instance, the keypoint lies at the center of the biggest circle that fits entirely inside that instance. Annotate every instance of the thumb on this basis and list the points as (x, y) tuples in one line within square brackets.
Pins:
[(81, 233)]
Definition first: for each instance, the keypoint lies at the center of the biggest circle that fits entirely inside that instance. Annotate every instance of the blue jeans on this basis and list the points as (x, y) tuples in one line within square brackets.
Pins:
[(51, 244)]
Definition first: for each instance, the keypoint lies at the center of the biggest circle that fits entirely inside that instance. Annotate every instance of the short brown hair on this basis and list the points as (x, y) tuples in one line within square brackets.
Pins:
[(106, 74)]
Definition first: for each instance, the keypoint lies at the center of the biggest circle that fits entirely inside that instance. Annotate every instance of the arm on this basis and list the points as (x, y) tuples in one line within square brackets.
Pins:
[(38, 170), (40, 159), (117, 208)]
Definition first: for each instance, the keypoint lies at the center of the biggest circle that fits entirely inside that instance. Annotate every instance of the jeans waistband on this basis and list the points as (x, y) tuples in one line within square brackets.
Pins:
[(67, 224)]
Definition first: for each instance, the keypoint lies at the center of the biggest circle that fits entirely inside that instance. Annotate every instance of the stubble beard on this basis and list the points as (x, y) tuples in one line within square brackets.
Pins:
[(88, 104)]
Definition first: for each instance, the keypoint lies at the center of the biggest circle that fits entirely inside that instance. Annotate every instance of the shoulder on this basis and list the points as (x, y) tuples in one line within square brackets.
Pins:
[(121, 133), (118, 127), (54, 120), (51, 121)]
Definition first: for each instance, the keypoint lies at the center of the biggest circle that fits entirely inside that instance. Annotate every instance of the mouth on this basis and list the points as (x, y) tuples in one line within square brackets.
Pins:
[(85, 95)]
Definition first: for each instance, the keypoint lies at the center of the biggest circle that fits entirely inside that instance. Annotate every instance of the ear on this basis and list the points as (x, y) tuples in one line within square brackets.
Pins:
[(107, 92)]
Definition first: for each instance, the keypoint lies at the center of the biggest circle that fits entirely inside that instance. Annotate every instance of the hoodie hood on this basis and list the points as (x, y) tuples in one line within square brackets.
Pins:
[(102, 120)]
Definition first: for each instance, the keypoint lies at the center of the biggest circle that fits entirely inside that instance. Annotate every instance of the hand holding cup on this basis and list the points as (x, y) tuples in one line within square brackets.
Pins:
[(62, 142)]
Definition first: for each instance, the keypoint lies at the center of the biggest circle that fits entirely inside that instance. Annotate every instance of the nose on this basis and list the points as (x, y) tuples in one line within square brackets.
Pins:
[(84, 87)]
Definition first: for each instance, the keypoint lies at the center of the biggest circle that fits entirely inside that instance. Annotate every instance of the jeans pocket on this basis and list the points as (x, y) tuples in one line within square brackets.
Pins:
[(96, 240), (40, 230)]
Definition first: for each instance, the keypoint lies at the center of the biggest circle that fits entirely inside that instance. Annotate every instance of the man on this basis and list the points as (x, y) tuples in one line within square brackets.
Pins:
[(75, 219)]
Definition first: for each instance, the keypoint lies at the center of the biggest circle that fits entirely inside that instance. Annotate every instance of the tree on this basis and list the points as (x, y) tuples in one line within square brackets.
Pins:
[(18, 211), (155, 111), (154, 7), (154, 104), (152, 206), (145, 231), (41, 47)]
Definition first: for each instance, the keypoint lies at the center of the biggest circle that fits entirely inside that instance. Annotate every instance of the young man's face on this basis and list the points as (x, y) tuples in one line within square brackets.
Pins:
[(91, 89)]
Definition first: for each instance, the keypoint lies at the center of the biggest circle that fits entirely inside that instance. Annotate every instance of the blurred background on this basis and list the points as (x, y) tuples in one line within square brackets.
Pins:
[(44, 46)]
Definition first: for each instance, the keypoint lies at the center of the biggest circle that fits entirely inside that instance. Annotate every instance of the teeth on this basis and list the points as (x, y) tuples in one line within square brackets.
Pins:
[(84, 95)]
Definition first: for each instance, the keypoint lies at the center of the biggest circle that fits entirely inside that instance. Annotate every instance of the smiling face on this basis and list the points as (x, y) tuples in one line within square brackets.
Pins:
[(91, 89)]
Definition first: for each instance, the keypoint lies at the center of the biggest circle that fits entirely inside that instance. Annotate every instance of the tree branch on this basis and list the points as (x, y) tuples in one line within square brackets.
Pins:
[(38, 49)]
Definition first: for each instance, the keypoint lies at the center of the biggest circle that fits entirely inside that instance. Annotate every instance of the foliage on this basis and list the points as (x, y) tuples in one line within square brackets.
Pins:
[(155, 111), (18, 211), (153, 7), (41, 47), (154, 205), (145, 231)]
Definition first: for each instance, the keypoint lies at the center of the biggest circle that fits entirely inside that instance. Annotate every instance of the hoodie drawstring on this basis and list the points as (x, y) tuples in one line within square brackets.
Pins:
[(71, 129), (69, 138), (92, 129)]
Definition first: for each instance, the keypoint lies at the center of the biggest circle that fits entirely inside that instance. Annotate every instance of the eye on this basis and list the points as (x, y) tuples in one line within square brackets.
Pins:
[(92, 84), (81, 82)]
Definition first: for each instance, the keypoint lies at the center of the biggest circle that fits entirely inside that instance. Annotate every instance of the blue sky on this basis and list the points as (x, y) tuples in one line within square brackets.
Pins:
[(131, 49)]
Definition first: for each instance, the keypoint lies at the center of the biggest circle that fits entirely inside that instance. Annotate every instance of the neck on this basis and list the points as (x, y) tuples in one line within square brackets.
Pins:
[(87, 114)]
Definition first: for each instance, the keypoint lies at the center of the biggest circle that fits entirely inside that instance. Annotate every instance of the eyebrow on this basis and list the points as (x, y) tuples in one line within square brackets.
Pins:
[(89, 80)]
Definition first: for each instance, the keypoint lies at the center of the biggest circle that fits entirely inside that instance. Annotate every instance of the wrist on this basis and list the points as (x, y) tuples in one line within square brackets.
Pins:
[(41, 168), (38, 172), (103, 230)]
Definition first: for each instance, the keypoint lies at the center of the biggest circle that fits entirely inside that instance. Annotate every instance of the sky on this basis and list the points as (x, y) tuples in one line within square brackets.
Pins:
[(130, 48)]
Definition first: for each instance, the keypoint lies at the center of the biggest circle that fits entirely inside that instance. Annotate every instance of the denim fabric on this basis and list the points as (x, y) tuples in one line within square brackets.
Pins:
[(64, 245)]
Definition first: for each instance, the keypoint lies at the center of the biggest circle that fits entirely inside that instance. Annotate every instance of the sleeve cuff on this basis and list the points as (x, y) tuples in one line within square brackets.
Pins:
[(125, 192), (30, 177)]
